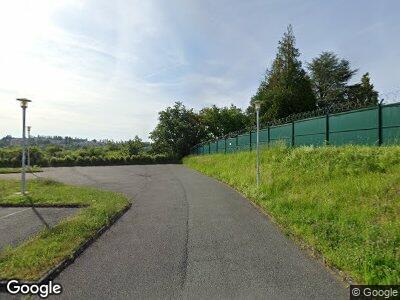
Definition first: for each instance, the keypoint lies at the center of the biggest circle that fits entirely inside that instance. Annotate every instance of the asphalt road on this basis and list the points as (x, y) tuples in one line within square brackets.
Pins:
[(188, 236), (19, 223)]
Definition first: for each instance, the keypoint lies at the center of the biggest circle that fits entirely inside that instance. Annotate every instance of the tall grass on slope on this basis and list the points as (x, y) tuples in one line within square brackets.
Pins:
[(343, 201)]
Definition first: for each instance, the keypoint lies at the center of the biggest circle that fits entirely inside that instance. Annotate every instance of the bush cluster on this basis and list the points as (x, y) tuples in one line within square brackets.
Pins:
[(78, 160), (58, 156)]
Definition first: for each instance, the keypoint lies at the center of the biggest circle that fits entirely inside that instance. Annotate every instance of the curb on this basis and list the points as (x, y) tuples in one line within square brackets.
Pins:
[(44, 205), (52, 273)]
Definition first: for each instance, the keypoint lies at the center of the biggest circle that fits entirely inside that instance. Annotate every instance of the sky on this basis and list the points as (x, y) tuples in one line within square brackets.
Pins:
[(104, 69)]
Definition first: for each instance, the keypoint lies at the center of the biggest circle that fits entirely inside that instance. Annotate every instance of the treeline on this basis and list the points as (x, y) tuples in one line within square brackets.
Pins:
[(287, 88), (39, 140), (113, 153)]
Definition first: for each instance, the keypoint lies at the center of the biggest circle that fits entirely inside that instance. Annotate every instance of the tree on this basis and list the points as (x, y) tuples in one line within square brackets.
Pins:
[(329, 77), (177, 131), (133, 147), (363, 92), (367, 93), (286, 88), (221, 121)]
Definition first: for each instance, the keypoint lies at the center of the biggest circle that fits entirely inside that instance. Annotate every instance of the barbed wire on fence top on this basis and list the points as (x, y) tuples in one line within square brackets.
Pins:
[(331, 109)]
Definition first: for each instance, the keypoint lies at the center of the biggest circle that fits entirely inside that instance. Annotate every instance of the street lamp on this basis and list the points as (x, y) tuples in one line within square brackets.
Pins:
[(257, 105), (24, 105), (29, 146)]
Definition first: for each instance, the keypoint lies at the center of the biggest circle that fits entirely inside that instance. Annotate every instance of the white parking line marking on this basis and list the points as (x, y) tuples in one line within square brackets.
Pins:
[(14, 213)]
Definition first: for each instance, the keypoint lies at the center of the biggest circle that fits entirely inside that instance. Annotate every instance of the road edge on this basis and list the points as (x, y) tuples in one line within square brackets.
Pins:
[(341, 276), (55, 271)]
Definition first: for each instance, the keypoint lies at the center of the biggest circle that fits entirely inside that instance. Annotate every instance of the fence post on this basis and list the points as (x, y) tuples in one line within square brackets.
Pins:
[(217, 144), (209, 147), (380, 124), (237, 142), (268, 134), (250, 140), (327, 128), (292, 133), (225, 144)]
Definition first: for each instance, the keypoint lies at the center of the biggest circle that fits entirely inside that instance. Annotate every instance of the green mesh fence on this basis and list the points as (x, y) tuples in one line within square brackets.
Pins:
[(310, 131), (379, 125), (391, 124), (355, 127), (244, 141)]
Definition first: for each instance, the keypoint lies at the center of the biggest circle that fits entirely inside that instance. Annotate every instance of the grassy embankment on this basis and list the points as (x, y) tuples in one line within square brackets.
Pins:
[(18, 170), (30, 260), (344, 202)]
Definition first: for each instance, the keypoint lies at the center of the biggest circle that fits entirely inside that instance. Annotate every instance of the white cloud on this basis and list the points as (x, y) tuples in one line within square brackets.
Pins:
[(80, 85), (103, 69)]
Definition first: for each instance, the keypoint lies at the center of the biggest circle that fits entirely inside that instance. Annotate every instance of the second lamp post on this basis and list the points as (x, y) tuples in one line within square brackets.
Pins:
[(24, 104)]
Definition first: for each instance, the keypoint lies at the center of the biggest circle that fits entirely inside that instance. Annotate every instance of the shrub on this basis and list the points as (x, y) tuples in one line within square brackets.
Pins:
[(11, 157)]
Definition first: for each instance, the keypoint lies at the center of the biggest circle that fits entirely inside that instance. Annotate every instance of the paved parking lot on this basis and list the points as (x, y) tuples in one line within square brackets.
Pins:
[(19, 223), (187, 236)]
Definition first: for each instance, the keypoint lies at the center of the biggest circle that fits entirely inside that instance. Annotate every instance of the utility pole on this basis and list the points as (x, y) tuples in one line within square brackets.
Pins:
[(24, 105)]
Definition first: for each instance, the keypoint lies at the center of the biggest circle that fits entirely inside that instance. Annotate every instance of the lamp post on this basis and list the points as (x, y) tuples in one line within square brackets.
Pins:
[(257, 105), (29, 146), (24, 105)]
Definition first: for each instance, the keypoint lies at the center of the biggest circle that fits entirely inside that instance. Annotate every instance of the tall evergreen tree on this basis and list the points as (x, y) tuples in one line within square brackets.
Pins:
[(286, 88), (368, 95), (363, 92), (329, 77)]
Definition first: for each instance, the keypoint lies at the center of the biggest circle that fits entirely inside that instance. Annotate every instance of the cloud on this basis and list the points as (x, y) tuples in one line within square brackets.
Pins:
[(103, 69)]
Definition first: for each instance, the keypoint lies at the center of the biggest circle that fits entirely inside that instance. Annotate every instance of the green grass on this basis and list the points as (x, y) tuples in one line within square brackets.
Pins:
[(18, 170), (32, 259), (343, 202)]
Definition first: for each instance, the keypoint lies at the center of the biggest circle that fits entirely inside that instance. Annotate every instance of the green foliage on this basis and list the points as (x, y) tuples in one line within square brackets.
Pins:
[(329, 77), (53, 149), (286, 88), (177, 131), (221, 121), (133, 147), (344, 202), (124, 153), (362, 92)]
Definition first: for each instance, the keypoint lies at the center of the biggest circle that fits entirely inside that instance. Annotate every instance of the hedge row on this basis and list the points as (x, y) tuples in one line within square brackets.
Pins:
[(70, 161)]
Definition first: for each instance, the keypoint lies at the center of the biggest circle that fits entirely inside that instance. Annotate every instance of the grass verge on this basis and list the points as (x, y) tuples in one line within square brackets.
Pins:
[(32, 259), (18, 170), (344, 202)]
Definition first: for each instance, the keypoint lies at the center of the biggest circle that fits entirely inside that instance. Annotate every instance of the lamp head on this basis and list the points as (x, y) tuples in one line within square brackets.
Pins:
[(257, 105), (24, 102)]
